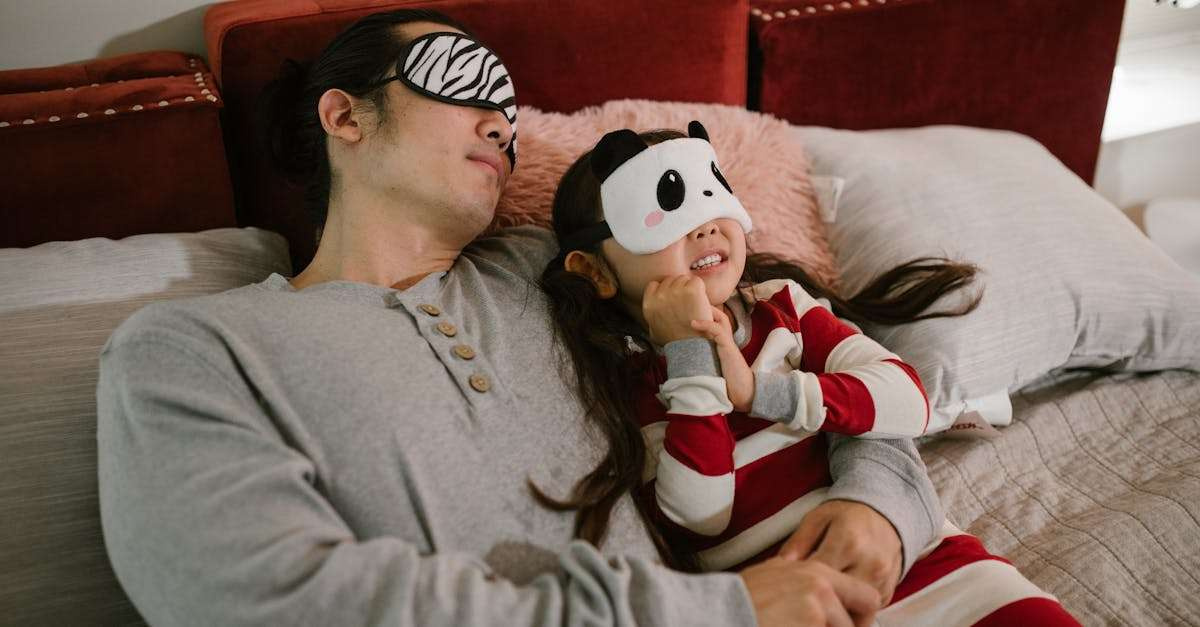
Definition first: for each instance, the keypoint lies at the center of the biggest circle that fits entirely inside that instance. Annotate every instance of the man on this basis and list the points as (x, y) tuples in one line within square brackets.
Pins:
[(352, 445)]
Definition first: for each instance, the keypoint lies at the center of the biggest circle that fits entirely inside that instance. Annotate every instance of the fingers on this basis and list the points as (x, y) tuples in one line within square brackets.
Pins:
[(848, 547), (713, 329), (876, 577), (858, 597), (807, 593), (837, 616), (709, 329), (881, 574), (838, 550), (806, 537)]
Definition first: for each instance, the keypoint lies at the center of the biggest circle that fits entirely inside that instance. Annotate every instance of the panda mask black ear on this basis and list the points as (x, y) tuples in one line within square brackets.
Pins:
[(613, 150), (697, 130)]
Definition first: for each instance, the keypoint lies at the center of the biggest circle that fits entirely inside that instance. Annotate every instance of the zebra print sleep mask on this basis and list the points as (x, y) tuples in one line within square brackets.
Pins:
[(455, 69), (653, 195)]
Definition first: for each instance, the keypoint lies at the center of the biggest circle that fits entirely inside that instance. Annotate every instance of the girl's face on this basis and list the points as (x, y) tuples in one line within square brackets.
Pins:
[(715, 251)]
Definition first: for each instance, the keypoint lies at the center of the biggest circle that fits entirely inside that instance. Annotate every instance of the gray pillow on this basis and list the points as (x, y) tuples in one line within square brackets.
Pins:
[(60, 302), (1069, 281)]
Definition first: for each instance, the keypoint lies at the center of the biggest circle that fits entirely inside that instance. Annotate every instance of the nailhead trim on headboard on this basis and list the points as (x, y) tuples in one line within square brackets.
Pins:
[(202, 91), (767, 16)]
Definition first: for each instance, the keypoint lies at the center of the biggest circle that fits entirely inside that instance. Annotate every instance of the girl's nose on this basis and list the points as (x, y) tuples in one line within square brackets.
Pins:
[(705, 230)]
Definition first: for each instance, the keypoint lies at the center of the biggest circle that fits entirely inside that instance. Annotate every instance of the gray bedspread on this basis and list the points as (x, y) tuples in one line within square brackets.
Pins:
[(1093, 492)]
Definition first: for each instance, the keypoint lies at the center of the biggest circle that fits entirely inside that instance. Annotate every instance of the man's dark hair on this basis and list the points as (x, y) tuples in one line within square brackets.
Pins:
[(355, 62)]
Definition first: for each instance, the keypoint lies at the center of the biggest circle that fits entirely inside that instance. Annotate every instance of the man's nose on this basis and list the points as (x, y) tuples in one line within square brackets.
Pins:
[(495, 127)]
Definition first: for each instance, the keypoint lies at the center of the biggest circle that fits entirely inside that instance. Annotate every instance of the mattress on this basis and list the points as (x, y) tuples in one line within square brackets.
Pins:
[(1093, 492)]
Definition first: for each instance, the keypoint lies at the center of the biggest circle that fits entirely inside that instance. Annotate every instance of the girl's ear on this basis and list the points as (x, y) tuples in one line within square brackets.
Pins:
[(593, 267)]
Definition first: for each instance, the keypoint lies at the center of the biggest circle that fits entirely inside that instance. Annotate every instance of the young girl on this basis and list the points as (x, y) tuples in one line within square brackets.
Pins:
[(716, 373)]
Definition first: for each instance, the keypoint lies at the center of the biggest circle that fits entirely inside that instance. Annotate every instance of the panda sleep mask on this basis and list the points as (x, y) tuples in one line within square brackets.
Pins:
[(654, 195), (455, 69)]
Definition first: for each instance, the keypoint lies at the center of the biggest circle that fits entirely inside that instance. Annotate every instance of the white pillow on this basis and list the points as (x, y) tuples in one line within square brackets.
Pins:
[(1069, 281), (60, 302)]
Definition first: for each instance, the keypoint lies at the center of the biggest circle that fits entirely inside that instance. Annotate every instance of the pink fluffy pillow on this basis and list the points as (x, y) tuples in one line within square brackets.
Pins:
[(760, 156)]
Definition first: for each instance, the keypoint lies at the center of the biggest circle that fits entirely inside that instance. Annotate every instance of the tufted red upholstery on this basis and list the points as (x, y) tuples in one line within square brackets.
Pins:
[(111, 148), (1039, 68)]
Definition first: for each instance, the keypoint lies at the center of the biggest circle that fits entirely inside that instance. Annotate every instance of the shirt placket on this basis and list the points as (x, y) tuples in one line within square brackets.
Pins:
[(453, 346)]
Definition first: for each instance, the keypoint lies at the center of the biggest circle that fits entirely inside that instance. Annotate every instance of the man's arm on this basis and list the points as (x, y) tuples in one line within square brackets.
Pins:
[(210, 518), (880, 515), (889, 477)]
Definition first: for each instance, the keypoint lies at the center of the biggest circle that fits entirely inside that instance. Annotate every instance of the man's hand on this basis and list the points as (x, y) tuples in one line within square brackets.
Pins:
[(851, 538), (808, 593), (670, 305), (739, 378)]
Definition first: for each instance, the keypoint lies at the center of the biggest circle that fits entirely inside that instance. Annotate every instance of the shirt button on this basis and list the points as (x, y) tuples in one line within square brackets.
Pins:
[(464, 351), (430, 309), (447, 329), (480, 383)]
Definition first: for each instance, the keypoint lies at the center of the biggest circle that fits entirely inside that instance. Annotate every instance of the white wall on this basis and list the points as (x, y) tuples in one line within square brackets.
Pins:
[(1136, 170), (1152, 126), (38, 33), (1146, 18)]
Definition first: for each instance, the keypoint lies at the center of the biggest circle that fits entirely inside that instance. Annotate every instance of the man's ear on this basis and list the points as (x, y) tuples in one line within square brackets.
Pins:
[(595, 269), (338, 116)]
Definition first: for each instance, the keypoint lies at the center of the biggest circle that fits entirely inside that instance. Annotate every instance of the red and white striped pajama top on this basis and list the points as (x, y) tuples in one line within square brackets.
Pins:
[(735, 485)]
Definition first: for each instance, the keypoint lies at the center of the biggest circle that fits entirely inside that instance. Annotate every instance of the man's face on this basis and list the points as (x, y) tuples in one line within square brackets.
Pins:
[(450, 158)]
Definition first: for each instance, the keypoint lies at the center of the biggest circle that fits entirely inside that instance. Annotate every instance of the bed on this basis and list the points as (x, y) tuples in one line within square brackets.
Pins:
[(1068, 406)]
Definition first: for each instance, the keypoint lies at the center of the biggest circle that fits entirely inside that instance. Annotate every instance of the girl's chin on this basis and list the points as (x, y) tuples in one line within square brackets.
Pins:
[(718, 294)]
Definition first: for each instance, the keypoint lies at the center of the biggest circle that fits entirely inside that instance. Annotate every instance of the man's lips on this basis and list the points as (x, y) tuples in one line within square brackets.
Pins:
[(488, 160)]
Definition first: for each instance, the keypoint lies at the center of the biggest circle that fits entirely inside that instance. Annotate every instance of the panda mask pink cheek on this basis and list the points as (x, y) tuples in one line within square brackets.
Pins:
[(654, 219)]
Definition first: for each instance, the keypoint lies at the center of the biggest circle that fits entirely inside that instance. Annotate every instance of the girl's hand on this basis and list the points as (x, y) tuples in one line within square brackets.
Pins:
[(739, 378), (669, 307)]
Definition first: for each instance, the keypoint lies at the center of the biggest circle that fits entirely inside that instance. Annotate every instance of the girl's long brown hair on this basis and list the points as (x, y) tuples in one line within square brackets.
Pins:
[(594, 331)]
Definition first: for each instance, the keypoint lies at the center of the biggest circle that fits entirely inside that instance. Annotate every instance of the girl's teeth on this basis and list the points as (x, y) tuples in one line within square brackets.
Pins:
[(707, 261)]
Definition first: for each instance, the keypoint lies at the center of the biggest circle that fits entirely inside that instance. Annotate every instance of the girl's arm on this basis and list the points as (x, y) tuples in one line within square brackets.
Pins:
[(694, 469), (842, 382), (693, 459)]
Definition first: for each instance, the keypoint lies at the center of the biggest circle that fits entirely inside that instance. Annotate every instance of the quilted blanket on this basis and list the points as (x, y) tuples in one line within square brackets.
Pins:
[(1093, 492)]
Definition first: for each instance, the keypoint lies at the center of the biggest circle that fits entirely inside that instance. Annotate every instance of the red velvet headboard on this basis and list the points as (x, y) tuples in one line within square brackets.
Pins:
[(1038, 67)]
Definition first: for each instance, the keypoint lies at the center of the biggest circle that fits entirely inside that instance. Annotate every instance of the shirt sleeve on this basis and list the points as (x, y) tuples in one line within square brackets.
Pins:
[(211, 518), (694, 475), (889, 477), (842, 381), (523, 250)]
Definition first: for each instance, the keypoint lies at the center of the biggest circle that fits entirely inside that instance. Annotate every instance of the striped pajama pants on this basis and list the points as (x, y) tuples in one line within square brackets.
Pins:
[(956, 582)]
